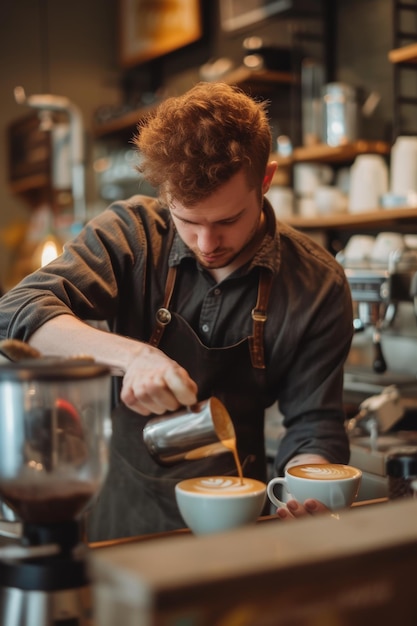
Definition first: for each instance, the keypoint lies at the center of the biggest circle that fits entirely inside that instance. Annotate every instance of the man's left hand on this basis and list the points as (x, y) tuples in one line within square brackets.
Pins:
[(294, 509)]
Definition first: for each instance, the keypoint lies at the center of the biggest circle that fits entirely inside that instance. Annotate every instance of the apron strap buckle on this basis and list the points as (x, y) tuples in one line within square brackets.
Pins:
[(163, 316), (259, 316)]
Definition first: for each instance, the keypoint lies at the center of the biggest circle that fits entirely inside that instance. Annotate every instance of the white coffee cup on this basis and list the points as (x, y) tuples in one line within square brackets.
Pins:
[(306, 207), (282, 201), (309, 176), (403, 174), (359, 248), (329, 199), (368, 182), (335, 485), (211, 504), (343, 180), (386, 243)]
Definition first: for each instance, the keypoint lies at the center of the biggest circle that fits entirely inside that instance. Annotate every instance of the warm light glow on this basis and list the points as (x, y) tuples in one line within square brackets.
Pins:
[(49, 252)]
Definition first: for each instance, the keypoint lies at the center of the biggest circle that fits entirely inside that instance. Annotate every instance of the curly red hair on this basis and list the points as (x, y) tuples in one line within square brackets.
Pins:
[(192, 144)]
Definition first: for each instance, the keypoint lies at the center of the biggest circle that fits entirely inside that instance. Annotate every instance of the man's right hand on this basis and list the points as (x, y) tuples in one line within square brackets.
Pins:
[(154, 383)]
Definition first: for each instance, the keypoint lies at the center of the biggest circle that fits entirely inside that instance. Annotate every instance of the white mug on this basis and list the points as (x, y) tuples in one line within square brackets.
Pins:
[(386, 243), (306, 207), (282, 201), (368, 182), (309, 176), (403, 175), (335, 485), (359, 248), (329, 199), (211, 504)]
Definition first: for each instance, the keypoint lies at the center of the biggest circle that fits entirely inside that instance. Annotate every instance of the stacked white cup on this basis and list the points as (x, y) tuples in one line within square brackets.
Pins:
[(308, 177), (404, 166), (368, 182)]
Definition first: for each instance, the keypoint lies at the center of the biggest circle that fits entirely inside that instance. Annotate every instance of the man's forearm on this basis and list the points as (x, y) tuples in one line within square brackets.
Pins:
[(67, 336)]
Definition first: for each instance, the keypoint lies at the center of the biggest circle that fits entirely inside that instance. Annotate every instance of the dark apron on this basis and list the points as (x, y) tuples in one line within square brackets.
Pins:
[(138, 496)]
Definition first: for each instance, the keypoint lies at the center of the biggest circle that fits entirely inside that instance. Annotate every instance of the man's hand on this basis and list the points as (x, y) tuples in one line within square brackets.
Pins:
[(294, 509), (154, 383)]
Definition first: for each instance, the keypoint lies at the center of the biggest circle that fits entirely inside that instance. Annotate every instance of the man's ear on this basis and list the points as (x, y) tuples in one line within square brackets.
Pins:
[(269, 174)]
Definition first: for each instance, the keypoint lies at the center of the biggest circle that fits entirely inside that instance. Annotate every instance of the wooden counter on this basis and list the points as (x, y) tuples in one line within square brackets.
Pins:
[(355, 571), (273, 519)]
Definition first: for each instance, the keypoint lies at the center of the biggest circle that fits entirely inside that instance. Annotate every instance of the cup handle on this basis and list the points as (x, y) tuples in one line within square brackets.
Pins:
[(270, 491)]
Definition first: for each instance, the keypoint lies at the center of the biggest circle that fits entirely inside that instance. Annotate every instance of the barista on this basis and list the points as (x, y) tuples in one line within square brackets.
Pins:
[(257, 312)]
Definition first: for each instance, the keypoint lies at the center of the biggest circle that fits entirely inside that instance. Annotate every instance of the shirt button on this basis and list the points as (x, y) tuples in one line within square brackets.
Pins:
[(205, 328), (217, 291)]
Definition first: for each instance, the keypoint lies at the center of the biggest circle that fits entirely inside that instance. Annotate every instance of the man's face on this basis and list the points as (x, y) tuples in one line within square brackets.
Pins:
[(223, 226)]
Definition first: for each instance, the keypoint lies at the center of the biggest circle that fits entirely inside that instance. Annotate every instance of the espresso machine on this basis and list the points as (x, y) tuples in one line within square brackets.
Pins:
[(54, 432), (377, 288)]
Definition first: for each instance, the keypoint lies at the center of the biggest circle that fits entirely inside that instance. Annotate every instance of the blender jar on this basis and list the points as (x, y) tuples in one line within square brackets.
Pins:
[(55, 427)]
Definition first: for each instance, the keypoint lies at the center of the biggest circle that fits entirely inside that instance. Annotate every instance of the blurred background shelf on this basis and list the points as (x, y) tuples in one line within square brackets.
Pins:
[(242, 76), (340, 154), (382, 218), (322, 153)]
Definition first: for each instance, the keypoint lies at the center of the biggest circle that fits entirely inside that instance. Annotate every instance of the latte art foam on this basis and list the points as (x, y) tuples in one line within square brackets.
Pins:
[(323, 471), (221, 485)]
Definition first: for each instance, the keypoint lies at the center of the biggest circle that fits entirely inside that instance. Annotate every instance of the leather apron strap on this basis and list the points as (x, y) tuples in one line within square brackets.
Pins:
[(163, 316), (259, 316)]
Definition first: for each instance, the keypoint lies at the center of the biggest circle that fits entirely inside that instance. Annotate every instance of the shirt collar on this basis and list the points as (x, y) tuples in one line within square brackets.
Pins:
[(268, 254)]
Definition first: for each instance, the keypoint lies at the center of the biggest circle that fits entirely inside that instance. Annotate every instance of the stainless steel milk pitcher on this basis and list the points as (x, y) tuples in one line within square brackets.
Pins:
[(191, 433)]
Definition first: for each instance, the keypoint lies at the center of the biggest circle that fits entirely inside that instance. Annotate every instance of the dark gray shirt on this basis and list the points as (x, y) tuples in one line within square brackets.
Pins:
[(115, 270)]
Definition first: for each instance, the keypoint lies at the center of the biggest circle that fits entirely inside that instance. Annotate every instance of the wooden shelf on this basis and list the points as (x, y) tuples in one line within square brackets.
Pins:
[(406, 54), (340, 154), (30, 183), (241, 76), (373, 219), (125, 122), (329, 154)]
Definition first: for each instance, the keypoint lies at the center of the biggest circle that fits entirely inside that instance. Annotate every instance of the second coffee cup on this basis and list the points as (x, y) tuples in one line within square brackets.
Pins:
[(333, 484)]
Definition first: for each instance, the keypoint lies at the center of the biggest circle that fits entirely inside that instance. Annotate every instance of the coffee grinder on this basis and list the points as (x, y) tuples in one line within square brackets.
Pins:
[(54, 431)]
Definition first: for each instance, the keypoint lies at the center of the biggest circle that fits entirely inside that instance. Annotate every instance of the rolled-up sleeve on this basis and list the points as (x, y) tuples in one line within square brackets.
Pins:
[(89, 280)]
